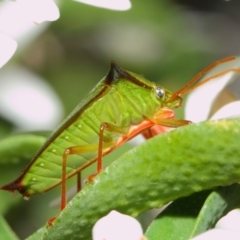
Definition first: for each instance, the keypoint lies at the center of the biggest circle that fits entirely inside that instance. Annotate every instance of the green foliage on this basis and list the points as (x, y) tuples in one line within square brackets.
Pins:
[(168, 167), (5, 232), (189, 216)]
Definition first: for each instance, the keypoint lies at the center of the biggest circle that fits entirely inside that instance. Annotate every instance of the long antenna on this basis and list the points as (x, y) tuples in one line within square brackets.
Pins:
[(187, 88)]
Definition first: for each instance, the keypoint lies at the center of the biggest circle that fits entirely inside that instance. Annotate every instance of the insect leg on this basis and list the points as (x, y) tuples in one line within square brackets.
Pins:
[(154, 130), (163, 120), (163, 126), (165, 117), (79, 183), (71, 151), (111, 128), (84, 149), (173, 123)]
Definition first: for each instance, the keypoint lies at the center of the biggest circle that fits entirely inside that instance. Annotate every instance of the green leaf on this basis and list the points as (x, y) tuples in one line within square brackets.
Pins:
[(15, 151), (19, 148), (6, 232), (218, 204), (173, 165), (178, 219), (189, 216)]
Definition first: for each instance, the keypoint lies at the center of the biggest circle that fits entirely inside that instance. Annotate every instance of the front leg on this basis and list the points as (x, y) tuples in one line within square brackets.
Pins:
[(165, 117), (163, 120)]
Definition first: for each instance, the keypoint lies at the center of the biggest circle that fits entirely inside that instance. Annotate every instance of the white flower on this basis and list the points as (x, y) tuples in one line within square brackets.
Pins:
[(117, 226), (40, 10), (15, 25), (27, 100), (7, 48)]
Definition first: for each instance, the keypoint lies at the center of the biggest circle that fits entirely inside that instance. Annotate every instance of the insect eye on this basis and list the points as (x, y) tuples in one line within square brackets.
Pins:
[(160, 92)]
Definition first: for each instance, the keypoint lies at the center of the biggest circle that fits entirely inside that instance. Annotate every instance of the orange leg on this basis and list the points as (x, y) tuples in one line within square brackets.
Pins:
[(164, 120), (79, 182), (85, 149), (154, 131), (111, 128), (71, 151)]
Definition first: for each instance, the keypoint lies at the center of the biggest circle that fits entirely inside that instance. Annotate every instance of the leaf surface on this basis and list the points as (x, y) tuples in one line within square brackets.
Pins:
[(173, 165)]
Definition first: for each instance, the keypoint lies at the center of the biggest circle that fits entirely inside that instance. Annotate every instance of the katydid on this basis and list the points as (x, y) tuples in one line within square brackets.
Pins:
[(121, 106)]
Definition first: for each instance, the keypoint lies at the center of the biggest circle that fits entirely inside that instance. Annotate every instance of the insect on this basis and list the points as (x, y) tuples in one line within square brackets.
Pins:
[(121, 106)]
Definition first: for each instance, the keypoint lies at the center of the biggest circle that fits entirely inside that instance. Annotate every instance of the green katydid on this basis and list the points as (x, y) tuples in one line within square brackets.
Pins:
[(121, 106)]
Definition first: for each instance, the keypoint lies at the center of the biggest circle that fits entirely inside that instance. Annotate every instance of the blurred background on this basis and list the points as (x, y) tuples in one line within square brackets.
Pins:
[(58, 63)]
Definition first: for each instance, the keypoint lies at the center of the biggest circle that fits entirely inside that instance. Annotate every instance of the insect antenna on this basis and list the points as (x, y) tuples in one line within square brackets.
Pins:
[(188, 87)]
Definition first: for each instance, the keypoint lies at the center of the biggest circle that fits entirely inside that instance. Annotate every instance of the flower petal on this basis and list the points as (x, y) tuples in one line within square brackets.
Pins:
[(16, 24), (40, 10), (122, 5), (199, 102), (27, 101), (219, 234), (230, 221), (117, 226), (7, 48), (230, 110)]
